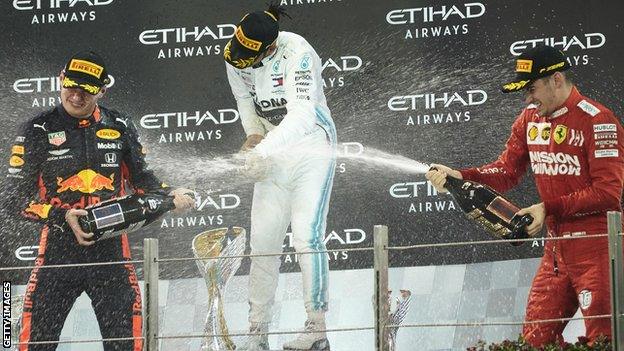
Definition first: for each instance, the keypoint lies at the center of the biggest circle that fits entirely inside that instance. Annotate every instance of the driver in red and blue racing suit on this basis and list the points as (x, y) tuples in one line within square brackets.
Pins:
[(74, 155)]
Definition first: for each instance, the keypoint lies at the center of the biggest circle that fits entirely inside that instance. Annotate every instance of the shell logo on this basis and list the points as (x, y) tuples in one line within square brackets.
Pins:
[(109, 134), (533, 133)]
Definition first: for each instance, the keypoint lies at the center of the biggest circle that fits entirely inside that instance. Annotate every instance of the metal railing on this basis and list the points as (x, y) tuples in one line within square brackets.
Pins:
[(614, 221), (380, 250)]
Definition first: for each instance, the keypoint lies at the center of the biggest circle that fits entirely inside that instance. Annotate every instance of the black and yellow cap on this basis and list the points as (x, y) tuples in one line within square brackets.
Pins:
[(255, 32), (535, 63), (86, 70)]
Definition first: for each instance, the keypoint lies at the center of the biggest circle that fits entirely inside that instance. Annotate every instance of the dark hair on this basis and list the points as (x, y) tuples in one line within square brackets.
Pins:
[(277, 10), (569, 76)]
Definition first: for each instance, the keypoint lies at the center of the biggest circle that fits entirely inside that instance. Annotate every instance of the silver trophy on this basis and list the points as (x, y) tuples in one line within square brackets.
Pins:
[(398, 307), (17, 304), (217, 272)]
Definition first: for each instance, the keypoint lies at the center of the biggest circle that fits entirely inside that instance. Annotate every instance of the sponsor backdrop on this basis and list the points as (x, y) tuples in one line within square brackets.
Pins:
[(415, 78)]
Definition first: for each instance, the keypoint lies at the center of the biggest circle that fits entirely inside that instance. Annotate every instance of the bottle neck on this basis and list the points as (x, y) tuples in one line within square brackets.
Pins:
[(453, 183), (168, 203)]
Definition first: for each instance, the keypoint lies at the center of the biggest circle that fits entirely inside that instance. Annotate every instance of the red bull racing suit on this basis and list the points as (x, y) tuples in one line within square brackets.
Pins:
[(577, 158), (60, 162)]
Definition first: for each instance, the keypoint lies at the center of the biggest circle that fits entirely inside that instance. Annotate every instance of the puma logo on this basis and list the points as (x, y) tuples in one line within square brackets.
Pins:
[(42, 126), (125, 122)]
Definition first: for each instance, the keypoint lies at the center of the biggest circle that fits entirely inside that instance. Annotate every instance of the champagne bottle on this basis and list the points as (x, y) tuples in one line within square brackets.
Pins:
[(126, 214), (489, 208)]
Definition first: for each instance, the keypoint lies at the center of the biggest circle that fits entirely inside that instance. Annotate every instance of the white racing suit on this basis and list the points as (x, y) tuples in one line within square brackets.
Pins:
[(283, 99)]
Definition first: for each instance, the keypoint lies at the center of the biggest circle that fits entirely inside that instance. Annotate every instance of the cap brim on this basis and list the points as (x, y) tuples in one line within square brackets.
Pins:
[(515, 86), (239, 56), (84, 84)]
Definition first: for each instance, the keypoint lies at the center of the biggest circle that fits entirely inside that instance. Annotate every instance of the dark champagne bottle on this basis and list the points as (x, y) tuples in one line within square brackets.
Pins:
[(489, 208), (126, 214)]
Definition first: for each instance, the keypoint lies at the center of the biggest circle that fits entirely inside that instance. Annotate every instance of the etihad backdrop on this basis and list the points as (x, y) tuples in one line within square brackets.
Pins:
[(419, 79)]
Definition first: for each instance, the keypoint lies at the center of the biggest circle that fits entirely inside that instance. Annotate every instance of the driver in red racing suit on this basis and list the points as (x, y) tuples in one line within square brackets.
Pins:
[(574, 146)]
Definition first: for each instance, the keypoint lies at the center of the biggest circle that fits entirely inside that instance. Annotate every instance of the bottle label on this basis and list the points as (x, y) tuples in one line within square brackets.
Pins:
[(503, 209), (494, 228), (108, 216)]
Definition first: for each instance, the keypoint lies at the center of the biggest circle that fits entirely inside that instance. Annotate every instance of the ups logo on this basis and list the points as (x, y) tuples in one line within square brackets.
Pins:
[(546, 133)]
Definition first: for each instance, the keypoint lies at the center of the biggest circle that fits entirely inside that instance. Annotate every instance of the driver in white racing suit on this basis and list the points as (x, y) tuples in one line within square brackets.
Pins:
[(276, 79)]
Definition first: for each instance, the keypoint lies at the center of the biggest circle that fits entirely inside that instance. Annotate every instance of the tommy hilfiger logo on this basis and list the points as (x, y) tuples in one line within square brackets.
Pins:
[(278, 81)]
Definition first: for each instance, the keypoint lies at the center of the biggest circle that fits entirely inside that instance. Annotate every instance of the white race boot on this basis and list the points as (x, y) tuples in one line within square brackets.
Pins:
[(314, 336), (258, 342)]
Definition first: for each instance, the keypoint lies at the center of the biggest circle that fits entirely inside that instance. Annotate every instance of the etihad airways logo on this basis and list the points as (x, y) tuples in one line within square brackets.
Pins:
[(564, 43), (334, 240), (573, 43), (307, 2), (213, 204), (25, 5), (334, 69), (84, 10), (185, 119), (342, 64), (437, 100), (180, 36), (346, 150), (550, 163), (413, 190), (44, 85), (211, 120), (423, 197), (428, 16), (185, 35), (432, 14), (435, 106)]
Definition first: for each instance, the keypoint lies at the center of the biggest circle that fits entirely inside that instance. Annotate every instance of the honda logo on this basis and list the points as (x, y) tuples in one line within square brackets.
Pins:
[(110, 157)]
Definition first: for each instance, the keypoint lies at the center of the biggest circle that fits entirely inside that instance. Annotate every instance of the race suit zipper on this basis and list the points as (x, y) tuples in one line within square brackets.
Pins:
[(86, 141), (555, 266)]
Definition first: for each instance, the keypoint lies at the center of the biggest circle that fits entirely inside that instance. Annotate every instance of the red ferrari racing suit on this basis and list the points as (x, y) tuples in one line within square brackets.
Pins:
[(577, 158)]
